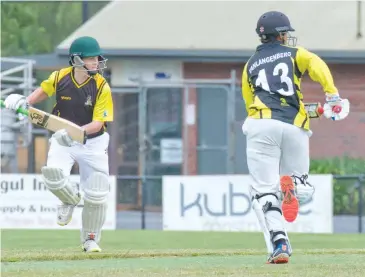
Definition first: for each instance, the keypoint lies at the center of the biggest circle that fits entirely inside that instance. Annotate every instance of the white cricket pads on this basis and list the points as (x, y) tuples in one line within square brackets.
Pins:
[(62, 137), (263, 224), (304, 190), (268, 211), (96, 189), (56, 181)]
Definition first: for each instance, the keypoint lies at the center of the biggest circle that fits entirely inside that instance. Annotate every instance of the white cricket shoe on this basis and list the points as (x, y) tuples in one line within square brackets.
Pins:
[(91, 246), (64, 214)]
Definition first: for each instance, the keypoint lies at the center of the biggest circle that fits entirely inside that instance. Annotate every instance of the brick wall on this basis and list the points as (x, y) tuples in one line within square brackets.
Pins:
[(330, 139)]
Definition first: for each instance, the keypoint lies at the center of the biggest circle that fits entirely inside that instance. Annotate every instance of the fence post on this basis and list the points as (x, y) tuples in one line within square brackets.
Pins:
[(231, 113), (142, 109), (361, 203), (143, 206), (31, 156)]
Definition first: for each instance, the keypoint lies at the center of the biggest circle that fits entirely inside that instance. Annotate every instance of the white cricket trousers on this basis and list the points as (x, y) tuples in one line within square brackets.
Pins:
[(274, 149), (91, 157)]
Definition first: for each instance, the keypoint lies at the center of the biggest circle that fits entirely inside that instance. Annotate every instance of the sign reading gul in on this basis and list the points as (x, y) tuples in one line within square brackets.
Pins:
[(26, 203), (223, 203)]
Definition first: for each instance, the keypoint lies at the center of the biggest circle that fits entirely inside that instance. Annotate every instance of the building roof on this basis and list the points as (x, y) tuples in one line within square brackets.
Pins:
[(218, 28), (49, 61)]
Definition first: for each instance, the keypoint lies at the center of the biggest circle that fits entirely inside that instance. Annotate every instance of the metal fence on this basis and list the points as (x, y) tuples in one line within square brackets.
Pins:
[(349, 196), (190, 126), (179, 127), (144, 194), (168, 127)]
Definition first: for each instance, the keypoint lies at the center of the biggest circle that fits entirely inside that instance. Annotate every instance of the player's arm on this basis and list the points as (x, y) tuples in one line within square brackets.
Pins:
[(319, 72), (247, 93), (47, 89), (37, 96), (317, 69), (103, 110)]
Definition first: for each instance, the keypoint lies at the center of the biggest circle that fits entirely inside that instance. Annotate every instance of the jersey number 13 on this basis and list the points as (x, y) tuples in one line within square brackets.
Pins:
[(280, 70)]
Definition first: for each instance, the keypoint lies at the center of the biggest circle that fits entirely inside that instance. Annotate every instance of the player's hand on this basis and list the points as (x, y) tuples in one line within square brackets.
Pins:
[(62, 137), (16, 101), (335, 107)]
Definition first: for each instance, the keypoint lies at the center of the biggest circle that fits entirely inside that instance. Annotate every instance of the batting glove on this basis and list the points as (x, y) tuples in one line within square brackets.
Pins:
[(62, 137), (16, 101)]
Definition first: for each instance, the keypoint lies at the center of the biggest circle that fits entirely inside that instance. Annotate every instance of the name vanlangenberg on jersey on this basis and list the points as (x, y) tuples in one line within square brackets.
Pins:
[(269, 59)]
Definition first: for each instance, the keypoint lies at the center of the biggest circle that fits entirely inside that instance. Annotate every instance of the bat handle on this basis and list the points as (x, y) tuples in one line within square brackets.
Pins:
[(19, 110)]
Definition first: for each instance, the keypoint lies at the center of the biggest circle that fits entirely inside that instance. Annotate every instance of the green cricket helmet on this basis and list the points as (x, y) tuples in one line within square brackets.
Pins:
[(85, 47)]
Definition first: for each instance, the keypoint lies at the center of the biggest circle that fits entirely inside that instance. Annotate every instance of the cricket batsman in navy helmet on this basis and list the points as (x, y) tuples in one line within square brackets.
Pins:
[(277, 128)]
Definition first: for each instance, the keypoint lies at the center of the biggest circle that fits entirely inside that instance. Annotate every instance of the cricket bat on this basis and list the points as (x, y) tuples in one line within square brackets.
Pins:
[(52, 123)]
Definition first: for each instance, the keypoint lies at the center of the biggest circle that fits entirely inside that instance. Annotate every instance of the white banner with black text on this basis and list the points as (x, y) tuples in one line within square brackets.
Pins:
[(26, 203)]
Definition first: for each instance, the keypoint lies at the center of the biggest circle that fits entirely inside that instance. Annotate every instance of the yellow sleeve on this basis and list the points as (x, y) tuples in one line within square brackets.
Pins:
[(317, 69), (247, 92), (103, 110), (49, 85)]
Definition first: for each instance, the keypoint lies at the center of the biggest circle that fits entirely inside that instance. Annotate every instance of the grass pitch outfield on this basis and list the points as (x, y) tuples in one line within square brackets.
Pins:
[(26, 253)]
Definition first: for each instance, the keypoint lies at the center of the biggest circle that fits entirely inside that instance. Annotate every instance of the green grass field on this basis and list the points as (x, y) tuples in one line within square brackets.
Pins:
[(155, 253)]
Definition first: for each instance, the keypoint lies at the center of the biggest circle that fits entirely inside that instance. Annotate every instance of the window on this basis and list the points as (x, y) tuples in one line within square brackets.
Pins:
[(164, 112)]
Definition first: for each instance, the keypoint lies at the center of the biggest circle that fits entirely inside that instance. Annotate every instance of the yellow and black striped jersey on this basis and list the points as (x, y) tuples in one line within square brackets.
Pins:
[(271, 82), (80, 103)]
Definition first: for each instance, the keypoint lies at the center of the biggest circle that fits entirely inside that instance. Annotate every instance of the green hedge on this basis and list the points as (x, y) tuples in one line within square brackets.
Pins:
[(346, 196)]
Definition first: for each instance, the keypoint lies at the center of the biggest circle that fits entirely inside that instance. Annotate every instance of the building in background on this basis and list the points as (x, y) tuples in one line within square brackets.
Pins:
[(187, 58)]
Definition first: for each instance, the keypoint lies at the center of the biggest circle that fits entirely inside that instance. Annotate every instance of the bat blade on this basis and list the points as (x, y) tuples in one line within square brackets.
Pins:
[(51, 122), (54, 123)]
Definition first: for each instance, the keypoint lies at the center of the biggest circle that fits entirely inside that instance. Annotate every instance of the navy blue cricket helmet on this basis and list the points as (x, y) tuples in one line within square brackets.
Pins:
[(273, 24)]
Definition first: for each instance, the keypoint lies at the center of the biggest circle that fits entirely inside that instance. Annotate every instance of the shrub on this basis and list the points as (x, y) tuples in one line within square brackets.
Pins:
[(346, 194)]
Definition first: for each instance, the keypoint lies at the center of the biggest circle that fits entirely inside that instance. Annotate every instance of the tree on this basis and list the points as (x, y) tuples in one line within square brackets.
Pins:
[(38, 27)]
